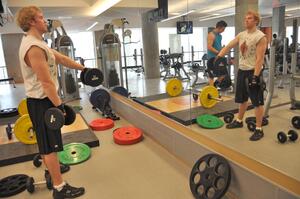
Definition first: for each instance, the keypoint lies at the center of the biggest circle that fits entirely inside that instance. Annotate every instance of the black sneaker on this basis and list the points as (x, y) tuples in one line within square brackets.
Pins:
[(68, 192), (257, 135), (234, 124)]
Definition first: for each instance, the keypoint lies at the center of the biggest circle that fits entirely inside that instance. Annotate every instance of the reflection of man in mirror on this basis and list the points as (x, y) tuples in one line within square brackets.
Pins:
[(214, 45), (252, 47)]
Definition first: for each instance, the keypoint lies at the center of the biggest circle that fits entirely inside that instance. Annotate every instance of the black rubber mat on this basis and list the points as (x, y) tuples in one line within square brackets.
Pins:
[(18, 152), (188, 116)]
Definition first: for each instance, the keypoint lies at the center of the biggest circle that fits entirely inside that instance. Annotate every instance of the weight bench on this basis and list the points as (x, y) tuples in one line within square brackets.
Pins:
[(10, 79)]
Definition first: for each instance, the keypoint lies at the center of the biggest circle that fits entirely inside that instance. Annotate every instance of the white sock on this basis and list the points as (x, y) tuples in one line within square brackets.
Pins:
[(238, 120), (60, 187), (258, 128)]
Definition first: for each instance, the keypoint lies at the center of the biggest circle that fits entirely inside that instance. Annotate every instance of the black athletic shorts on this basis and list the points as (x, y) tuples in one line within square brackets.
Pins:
[(48, 140), (243, 92), (215, 71)]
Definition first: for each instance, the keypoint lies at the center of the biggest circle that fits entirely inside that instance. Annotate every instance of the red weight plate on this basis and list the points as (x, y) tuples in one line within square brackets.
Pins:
[(127, 135), (101, 124)]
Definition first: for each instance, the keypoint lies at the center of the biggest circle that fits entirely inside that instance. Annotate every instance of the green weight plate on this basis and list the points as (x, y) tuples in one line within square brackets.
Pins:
[(74, 153), (209, 121)]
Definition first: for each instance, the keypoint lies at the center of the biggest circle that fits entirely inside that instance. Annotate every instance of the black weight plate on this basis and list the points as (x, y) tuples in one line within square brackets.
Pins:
[(210, 177), (100, 98), (82, 77), (37, 160), (253, 119), (195, 97), (296, 122), (70, 115), (251, 126), (228, 117), (12, 185), (54, 118), (93, 77), (9, 112), (121, 90)]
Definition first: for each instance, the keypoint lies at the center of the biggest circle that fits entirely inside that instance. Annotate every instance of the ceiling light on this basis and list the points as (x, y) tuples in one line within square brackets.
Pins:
[(102, 5), (170, 18), (292, 9), (215, 17), (92, 26)]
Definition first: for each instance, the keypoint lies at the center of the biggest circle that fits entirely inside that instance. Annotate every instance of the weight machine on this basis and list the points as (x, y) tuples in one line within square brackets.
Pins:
[(111, 57), (68, 81)]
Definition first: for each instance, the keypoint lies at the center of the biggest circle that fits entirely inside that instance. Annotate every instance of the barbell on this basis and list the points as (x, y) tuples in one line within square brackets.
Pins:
[(208, 96)]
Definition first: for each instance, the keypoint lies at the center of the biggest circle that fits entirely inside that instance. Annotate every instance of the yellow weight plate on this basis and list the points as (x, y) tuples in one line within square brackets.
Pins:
[(204, 99), (174, 87), (22, 108), (23, 130)]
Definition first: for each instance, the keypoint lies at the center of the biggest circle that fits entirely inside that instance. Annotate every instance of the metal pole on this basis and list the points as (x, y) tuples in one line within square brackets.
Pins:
[(293, 65), (193, 54), (125, 63), (135, 57), (271, 79), (142, 59)]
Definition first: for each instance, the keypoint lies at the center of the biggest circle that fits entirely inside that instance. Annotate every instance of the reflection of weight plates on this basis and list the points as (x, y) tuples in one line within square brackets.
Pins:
[(174, 87), (210, 177), (100, 98), (23, 130), (74, 153), (121, 90), (209, 96), (8, 112), (12, 185), (22, 108)]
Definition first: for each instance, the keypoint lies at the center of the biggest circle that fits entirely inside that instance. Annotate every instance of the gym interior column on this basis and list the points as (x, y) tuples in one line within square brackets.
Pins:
[(11, 44), (150, 46), (278, 23), (241, 8), (97, 36)]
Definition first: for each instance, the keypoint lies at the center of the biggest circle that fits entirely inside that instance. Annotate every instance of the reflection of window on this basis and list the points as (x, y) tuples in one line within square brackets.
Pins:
[(84, 47), (289, 32), (3, 72)]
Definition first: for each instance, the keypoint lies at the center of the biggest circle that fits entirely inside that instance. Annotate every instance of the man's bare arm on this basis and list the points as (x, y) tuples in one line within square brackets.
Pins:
[(66, 61), (260, 53), (36, 59), (230, 45)]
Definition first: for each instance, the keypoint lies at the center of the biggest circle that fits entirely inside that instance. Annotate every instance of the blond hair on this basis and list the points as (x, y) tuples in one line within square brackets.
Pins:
[(255, 15), (25, 15)]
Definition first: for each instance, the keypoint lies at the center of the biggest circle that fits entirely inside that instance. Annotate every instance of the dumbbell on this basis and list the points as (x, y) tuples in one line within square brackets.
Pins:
[(292, 135), (30, 183), (228, 117), (296, 122), (37, 162), (55, 118), (91, 77)]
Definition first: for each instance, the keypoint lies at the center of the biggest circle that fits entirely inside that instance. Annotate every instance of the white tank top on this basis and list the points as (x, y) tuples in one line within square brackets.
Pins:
[(33, 87), (247, 48)]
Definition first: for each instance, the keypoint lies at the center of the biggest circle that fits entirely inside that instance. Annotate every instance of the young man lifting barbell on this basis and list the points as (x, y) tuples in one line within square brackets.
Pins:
[(252, 46)]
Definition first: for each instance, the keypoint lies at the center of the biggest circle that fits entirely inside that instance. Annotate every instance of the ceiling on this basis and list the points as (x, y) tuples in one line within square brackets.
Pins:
[(76, 15)]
